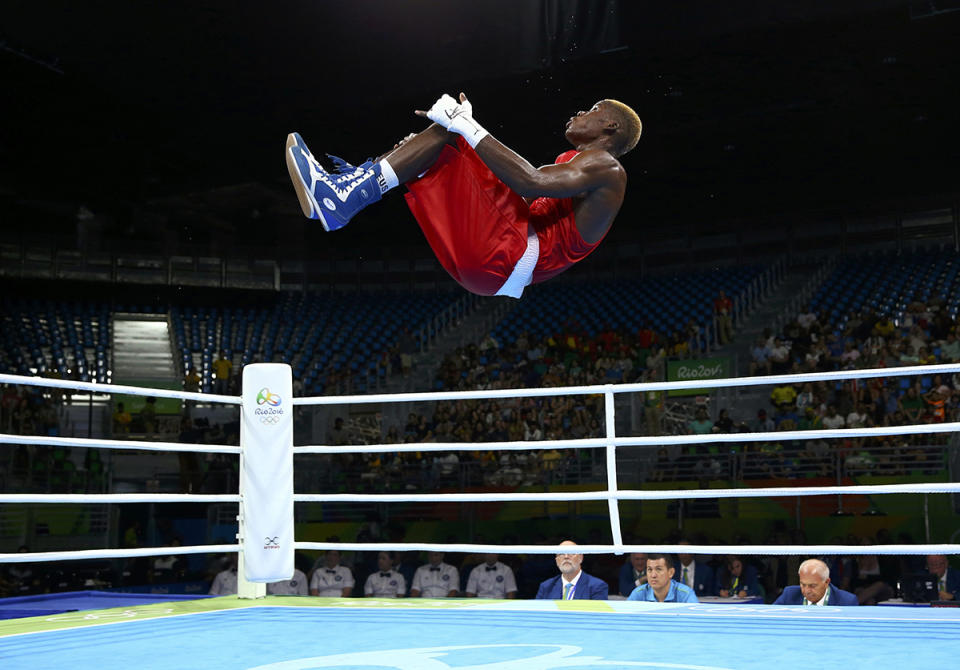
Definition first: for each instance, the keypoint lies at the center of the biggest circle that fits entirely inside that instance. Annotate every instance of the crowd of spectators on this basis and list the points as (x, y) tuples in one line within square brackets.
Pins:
[(811, 343), (570, 357)]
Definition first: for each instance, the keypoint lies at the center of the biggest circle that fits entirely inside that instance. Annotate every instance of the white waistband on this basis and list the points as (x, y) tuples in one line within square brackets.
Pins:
[(522, 273)]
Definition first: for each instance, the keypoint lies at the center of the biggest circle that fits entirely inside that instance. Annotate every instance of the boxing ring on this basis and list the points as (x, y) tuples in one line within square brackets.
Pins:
[(251, 631)]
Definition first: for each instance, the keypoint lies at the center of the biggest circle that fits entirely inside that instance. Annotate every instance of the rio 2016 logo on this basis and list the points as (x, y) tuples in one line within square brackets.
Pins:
[(264, 397), (269, 410)]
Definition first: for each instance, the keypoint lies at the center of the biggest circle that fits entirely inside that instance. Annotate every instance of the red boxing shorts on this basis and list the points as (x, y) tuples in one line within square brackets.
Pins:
[(476, 226)]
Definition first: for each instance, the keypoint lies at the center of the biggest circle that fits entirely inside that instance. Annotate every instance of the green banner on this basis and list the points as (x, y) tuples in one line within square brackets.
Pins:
[(696, 368), (134, 403)]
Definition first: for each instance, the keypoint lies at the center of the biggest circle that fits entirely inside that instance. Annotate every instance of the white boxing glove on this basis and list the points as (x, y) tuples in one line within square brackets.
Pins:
[(457, 117)]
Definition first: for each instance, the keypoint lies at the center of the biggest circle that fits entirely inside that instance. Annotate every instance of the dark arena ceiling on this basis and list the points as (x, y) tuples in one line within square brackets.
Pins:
[(166, 120)]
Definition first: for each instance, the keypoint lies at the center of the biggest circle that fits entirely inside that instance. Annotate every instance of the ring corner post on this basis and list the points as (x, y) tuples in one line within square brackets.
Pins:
[(266, 479)]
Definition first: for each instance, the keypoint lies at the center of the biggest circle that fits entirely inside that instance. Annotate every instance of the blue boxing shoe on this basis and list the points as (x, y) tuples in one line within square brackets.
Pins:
[(332, 197)]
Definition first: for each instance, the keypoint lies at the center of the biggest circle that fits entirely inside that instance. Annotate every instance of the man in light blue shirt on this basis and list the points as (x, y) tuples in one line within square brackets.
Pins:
[(660, 586)]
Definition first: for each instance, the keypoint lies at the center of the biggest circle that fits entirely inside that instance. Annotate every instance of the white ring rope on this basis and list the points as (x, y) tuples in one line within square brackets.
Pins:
[(139, 445), (635, 441), (531, 445), (568, 496), (627, 494), (109, 498), (89, 554), (118, 388), (597, 389), (717, 549)]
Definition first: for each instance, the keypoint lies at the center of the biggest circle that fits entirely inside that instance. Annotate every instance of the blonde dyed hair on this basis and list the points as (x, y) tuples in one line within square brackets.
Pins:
[(630, 126)]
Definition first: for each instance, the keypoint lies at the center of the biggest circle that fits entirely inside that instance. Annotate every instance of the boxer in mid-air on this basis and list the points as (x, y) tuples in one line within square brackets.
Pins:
[(495, 222)]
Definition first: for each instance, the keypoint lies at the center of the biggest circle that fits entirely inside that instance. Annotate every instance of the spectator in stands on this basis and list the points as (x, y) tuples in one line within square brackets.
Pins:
[(737, 580), (950, 348), (815, 588), (912, 405), (832, 420), (909, 356), (295, 586), (633, 573), (572, 583), (332, 580), (857, 418), (948, 580), (849, 357), (783, 395), (170, 568), (386, 582), (936, 404), (121, 420), (759, 358), (436, 579), (786, 417), (698, 575), (762, 424), (222, 367), (148, 416), (191, 380), (868, 582), (722, 312), (885, 326), (807, 319), (723, 424), (660, 586), (701, 424), (679, 346), (779, 356), (653, 411), (337, 436), (491, 579)]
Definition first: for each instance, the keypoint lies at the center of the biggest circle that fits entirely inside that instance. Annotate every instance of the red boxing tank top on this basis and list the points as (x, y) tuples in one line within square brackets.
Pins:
[(560, 243)]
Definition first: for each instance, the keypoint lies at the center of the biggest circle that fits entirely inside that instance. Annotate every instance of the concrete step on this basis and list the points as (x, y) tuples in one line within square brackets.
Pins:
[(141, 348)]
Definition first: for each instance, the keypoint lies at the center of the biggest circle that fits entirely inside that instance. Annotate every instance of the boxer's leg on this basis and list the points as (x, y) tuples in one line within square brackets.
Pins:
[(334, 198), (414, 155)]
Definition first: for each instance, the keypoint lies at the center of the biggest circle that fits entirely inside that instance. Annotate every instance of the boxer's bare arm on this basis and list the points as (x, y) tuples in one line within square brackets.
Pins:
[(594, 176), (588, 171)]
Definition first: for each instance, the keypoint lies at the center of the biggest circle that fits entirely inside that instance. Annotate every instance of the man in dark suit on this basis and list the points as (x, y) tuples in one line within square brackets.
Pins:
[(815, 588), (948, 581), (695, 574), (572, 583)]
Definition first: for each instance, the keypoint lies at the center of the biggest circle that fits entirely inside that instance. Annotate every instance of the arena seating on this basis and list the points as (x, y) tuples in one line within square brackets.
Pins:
[(888, 283), (44, 335), (315, 334), (667, 303)]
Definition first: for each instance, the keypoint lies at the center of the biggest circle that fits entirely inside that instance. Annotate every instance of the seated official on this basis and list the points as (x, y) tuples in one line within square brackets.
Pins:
[(660, 586), (737, 580), (386, 582), (948, 581), (225, 582), (295, 586), (633, 573), (572, 583), (815, 588), (332, 580), (491, 579), (695, 574), (436, 579)]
